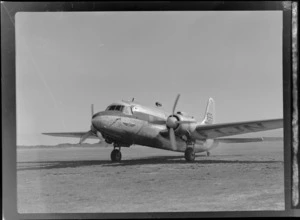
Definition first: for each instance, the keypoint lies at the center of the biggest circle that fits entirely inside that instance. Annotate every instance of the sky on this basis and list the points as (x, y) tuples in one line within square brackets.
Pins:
[(65, 61)]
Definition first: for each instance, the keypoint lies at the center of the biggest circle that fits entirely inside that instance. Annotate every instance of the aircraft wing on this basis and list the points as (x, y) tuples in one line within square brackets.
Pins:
[(213, 131), (71, 134), (247, 140)]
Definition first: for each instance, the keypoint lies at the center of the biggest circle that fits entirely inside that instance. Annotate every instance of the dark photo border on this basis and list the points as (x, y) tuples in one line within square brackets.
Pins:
[(8, 77)]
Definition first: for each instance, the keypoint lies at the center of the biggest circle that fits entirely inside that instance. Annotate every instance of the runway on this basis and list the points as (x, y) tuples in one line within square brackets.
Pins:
[(74, 179)]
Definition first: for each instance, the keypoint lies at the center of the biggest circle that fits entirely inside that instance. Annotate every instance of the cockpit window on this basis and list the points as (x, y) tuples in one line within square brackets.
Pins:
[(119, 108), (115, 108), (111, 108)]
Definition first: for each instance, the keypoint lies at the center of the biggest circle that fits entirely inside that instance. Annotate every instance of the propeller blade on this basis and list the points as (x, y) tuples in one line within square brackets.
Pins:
[(99, 135), (92, 109), (172, 138), (85, 136), (176, 100)]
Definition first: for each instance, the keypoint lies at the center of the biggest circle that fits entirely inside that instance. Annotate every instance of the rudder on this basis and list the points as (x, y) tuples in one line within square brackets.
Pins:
[(209, 116)]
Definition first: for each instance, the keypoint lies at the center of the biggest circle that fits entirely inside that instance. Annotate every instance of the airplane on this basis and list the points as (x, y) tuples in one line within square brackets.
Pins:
[(125, 123)]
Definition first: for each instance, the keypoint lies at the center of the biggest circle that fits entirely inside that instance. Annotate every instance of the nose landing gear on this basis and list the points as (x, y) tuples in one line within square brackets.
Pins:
[(116, 155)]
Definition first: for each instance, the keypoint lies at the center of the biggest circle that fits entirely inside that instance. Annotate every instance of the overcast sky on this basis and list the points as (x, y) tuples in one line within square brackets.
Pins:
[(67, 60)]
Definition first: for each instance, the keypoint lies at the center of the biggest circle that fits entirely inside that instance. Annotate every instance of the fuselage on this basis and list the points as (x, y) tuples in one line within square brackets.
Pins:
[(128, 123)]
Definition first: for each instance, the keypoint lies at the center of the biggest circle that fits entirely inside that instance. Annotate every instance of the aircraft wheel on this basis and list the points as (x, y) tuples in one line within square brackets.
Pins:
[(189, 154), (116, 155)]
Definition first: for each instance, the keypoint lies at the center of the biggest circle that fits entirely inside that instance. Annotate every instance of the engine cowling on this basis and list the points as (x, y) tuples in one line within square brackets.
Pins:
[(181, 124)]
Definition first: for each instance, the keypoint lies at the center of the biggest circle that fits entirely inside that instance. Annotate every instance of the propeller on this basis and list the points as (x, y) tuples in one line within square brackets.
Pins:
[(92, 131), (173, 122), (85, 136)]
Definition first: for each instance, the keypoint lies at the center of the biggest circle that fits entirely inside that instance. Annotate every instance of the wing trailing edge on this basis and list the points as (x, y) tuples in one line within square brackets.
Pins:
[(247, 140), (228, 129)]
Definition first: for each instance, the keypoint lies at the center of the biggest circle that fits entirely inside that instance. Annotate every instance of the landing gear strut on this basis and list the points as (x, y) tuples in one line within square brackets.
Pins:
[(189, 154), (116, 155)]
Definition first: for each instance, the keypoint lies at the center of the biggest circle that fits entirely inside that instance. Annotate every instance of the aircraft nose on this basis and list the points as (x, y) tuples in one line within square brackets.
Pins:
[(98, 121)]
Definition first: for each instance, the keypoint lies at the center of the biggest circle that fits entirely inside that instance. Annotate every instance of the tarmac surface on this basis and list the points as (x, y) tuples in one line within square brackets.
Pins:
[(75, 179)]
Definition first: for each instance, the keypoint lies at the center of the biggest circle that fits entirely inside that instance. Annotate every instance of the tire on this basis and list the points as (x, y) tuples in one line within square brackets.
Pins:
[(189, 154), (116, 155)]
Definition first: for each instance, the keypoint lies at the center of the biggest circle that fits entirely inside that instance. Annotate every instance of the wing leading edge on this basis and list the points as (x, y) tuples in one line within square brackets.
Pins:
[(70, 134), (228, 129)]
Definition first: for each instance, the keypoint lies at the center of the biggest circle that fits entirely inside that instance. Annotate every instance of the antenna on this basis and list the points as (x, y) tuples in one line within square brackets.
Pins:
[(158, 104)]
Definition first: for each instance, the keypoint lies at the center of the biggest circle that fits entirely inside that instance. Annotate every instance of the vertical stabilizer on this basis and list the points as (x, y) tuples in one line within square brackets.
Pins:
[(209, 117)]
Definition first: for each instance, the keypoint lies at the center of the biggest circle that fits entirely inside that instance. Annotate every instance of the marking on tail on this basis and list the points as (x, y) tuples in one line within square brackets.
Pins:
[(210, 112)]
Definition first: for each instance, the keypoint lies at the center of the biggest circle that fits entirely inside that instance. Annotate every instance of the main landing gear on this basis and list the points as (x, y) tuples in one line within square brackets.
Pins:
[(116, 155), (189, 154)]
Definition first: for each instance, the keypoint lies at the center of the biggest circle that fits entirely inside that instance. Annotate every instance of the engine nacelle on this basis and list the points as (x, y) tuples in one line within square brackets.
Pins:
[(205, 145), (185, 128)]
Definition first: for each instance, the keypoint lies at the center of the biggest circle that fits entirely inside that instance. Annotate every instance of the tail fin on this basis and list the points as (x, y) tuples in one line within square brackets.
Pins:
[(209, 116)]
